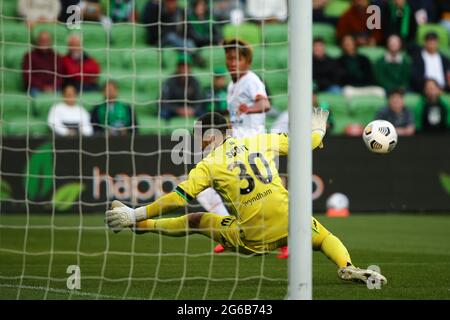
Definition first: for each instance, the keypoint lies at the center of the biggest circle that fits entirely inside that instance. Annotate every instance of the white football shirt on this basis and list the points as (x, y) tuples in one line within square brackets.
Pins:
[(245, 91)]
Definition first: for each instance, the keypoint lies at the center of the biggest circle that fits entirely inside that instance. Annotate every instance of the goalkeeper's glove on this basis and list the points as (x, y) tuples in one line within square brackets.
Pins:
[(318, 126), (121, 216)]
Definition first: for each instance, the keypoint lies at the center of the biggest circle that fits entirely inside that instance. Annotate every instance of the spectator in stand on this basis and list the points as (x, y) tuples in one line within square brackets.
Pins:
[(202, 28), (80, 69), (433, 111), (394, 69), (430, 64), (165, 28), (181, 93), (67, 118), (398, 114), (42, 67), (326, 73), (357, 75), (113, 117), (39, 11), (398, 18), (318, 13), (354, 22), (443, 12), (121, 11), (270, 10), (216, 96)]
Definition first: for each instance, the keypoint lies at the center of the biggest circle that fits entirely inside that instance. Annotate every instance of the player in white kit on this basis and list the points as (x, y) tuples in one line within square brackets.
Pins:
[(247, 104)]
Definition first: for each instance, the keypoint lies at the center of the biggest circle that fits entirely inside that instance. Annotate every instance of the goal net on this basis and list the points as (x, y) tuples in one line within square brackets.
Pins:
[(56, 185)]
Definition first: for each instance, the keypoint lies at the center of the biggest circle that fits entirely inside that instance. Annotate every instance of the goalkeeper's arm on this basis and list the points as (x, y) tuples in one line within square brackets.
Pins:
[(121, 216)]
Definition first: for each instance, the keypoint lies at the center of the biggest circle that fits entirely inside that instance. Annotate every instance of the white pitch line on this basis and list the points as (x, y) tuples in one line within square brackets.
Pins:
[(65, 291)]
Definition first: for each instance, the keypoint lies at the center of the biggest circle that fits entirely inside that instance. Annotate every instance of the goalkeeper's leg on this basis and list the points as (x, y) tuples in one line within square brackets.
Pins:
[(205, 223), (212, 202), (335, 250)]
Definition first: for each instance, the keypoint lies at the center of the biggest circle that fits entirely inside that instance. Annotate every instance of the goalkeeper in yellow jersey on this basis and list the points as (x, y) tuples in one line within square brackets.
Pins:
[(243, 173)]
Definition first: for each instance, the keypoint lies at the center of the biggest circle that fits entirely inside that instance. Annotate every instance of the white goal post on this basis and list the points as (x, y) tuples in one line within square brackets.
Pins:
[(300, 155)]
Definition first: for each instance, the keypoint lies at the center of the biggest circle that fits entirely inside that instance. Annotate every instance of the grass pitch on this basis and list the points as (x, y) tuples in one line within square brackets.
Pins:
[(413, 252)]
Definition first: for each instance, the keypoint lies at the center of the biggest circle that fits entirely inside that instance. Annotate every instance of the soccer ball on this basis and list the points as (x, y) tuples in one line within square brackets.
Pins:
[(380, 136)]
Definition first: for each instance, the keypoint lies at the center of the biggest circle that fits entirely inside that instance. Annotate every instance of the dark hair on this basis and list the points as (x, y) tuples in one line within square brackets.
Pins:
[(243, 48), (432, 80), (399, 91), (69, 84), (211, 120), (319, 39)]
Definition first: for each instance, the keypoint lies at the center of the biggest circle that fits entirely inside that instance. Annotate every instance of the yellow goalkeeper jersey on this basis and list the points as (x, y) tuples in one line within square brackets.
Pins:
[(244, 173)]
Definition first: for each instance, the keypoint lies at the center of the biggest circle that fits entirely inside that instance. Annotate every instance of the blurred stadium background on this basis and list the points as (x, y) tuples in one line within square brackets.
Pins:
[(54, 188)]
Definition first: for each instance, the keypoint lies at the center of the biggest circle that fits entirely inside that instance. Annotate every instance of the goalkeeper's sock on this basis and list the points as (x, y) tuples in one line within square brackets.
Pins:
[(330, 245), (335, 250)]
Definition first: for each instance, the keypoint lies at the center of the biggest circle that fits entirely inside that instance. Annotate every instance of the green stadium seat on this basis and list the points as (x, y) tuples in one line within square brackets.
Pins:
[(25, 126), (276, 81), (13, 55), (412, 100), (364, 108), (181, 123), (14, 32), (442, 33), (109, 59), (275, 32), (280, 102), (94, 35), (213, 56), (341, 121), (245, 31), (446, 52), (151, 124), (128, 36), (336, 8), (15, 105), (276, 56), (333, 51), (150, 84), (90, 99), (170, 57), (372, 53), (338, 103), (8, 9), (11, 81), (43, 102), (325, 31), (142, 60)]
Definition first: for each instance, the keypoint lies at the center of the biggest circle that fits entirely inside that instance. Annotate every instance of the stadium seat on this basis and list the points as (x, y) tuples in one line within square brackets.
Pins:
[(94, 35), (15, 105), (275, 33), (25, 126), (13, 55), (338, 104), (364, 108), (180, 123), (12, 80), (333, 51), (412, 100), (372, 53), (336, 8), (442, 33), (213, 56), (245, 31), (90, 99), (280, 102), (8, 9), (150, 84), (110, 60), (43, 102), (276, 81), (170, 57), (142, 60), (446, 52), (276, 56), (325, 31), (128, 36), (151, 124), (341, 121), (14, 32)]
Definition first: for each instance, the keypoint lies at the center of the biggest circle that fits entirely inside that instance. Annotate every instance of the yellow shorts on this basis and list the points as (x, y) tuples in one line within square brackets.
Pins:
[(226, 231)]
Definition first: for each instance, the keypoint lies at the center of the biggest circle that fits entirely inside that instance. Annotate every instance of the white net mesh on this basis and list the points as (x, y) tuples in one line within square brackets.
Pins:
[(55, 189)]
